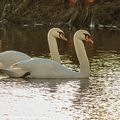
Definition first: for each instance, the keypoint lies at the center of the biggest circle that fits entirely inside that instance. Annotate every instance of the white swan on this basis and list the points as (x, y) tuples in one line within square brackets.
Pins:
[(10, 57), (46, 68)]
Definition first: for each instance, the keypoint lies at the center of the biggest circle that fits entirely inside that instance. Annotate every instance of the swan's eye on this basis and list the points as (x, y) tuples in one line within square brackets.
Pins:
[(61, 34), (88, 38), (86, 35)]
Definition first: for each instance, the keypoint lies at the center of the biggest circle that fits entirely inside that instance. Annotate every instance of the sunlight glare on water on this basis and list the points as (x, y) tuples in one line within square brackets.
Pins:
[(40, 99), (95, 99)]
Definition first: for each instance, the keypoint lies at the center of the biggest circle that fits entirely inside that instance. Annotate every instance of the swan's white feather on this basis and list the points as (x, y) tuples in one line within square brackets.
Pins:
[(46, 68), (8, 58)]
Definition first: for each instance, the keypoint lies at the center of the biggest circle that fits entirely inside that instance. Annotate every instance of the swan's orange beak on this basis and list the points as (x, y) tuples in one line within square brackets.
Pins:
[(62, 36), (89, 40)]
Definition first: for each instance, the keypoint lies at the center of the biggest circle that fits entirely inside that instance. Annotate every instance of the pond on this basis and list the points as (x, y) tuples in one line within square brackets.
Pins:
[(96, 98)]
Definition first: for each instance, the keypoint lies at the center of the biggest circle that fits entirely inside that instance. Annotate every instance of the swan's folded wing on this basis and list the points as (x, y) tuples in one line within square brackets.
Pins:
[(25, 64), (32, 64), (8, 58)]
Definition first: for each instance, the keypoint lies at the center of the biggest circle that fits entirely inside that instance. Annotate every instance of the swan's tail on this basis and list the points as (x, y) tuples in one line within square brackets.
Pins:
[(15, 73)]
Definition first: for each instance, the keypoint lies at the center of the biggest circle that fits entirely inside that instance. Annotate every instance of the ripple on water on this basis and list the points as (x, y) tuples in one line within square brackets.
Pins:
[(95, 99)]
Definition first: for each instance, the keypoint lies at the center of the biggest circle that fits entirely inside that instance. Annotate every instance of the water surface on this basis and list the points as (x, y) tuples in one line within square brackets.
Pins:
[(96, 98)]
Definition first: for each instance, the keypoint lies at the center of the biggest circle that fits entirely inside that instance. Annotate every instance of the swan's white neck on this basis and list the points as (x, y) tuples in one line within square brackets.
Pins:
[(53, 48), (82, 57)]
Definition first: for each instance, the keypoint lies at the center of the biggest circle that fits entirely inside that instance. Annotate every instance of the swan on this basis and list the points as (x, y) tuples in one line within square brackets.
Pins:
[(46, 68), (10, 57)]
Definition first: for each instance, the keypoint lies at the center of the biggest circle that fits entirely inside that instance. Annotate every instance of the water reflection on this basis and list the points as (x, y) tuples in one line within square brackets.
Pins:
[(52, 83), (31, 40), (41, 99), (107, 40)]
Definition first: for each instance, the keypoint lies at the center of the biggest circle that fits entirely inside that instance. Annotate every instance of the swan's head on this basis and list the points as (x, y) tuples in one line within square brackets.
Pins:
[(57, 33), (84, 35)]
